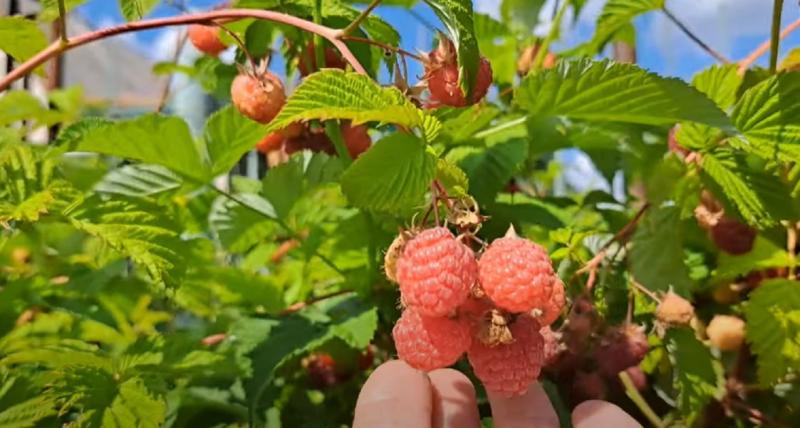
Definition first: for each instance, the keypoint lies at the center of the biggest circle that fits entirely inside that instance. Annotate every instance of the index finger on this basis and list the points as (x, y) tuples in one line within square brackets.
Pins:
[(530, 410), (395, 395)]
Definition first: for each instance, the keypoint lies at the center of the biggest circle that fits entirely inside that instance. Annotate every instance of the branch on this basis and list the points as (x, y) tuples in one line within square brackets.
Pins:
[(62, 20), (777, 10), (747, 61), (360, 18), (301, 305), (58, 48), (718, 56), (384, 46)]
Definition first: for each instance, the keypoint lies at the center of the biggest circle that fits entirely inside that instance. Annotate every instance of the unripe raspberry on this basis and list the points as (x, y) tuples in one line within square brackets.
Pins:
[(321, 369), (275, 140), (517, 274), (510, 369), (206, 39), (622, 347), (430, 343), (726, 332), (552, 310), (307, 61), (442, 76), (436, 272), (733, 236), (528, 55), (674, 310), (259, 98), (588, 386)]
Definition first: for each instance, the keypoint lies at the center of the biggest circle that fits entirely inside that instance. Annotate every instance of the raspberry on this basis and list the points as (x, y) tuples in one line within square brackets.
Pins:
[(275, 140), (429, 343), (588, 386), (356, 139), (551, 346), (527, 57), (517, 274), (442, 76), (732, 236), (726, 332), (436, 272), (552, 309), (321, 369), (622, 347), (392, 254), (674, 310), (510, 369), (206, 39), (259, 98), (307, 60), (315, 140)]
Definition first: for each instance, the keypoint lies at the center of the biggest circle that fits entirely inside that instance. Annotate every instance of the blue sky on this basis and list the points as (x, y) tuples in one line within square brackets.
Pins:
[(734, 27)]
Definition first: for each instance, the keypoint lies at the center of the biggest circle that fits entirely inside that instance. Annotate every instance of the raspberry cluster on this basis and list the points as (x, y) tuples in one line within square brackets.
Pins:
[(442, 77), (496, 307)]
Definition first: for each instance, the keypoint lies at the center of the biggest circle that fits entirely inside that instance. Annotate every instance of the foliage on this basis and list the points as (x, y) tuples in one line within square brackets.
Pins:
[(145, 280)]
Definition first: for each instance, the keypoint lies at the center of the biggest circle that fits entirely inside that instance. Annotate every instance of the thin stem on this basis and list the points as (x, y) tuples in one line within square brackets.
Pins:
[(364, 14), (641, 288), (718, 56), (384, 46), (775, 39), (62, 21), (425, 23), (240, 44), (639, 401), (335, 134), (60, 47), (319, 50), (544, 48), (747, 61), (304, 304)]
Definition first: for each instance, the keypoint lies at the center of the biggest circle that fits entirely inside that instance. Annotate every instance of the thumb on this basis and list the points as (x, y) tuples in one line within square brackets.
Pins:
[(530, 410)]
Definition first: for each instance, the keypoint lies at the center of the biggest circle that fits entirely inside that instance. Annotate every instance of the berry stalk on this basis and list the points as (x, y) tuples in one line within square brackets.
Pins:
[(59, 47)]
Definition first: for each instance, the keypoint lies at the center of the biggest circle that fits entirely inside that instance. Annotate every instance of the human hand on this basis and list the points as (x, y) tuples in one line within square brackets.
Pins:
[(396, 395)]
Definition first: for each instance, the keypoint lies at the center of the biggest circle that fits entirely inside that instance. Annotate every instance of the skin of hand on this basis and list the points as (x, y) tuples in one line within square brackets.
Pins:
[(396, 395)]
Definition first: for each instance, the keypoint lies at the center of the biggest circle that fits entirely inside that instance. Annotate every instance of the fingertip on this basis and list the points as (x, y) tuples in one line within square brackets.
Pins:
[(532, 409), (599, 413), (395, 395), (454, 403)]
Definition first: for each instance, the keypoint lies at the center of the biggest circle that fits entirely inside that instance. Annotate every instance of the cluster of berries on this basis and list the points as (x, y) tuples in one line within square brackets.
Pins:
[(324, 370), (728, 234), (442, 77), (496, 308)]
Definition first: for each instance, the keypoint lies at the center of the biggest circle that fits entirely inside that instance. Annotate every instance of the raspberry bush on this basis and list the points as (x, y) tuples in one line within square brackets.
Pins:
[(418, 203)]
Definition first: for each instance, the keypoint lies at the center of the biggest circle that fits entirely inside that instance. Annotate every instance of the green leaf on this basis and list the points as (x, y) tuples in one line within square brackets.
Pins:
[(283, 186), (616, 14), (773, 328), (335, 94), (453, 178), (698, 376), (139, 180), (768, 116), (459, 125), (22, 105), (50, 12), (27, 413), (228, 136), (136, 9), (607, 91), (392, 175), (20, 38), (456, 15), (150, 138), (499, 46), (720, 83), (239, 227), (726, 173), (764, 255), (522, 15), (171, 67), (657, 253), (135, 229)]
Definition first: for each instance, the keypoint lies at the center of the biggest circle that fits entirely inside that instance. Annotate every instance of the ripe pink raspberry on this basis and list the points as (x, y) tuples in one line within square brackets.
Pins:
[(436, 272), (551, 346), (552, 310), (429, 343), (510, 369), (516, 274)]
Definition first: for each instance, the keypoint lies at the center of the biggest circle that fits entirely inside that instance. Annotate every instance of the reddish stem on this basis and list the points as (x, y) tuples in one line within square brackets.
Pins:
[(745, 63), (59, 47)]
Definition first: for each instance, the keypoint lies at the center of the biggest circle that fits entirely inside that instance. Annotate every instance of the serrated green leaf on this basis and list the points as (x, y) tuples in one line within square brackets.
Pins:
[(28, 413), (22, 105), (136, 9), (453, 178), (773, 328), (457, 15), (764, 255), (726, 173), (791, 62), (392, 175), (459, 125), (139, 180), (657, 253), (720, 83), (336, 94), (617, 14), (228, 136), (20, 38), (138, 230), (607, 91), (697, 375), (150, 138), (238, 227)]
